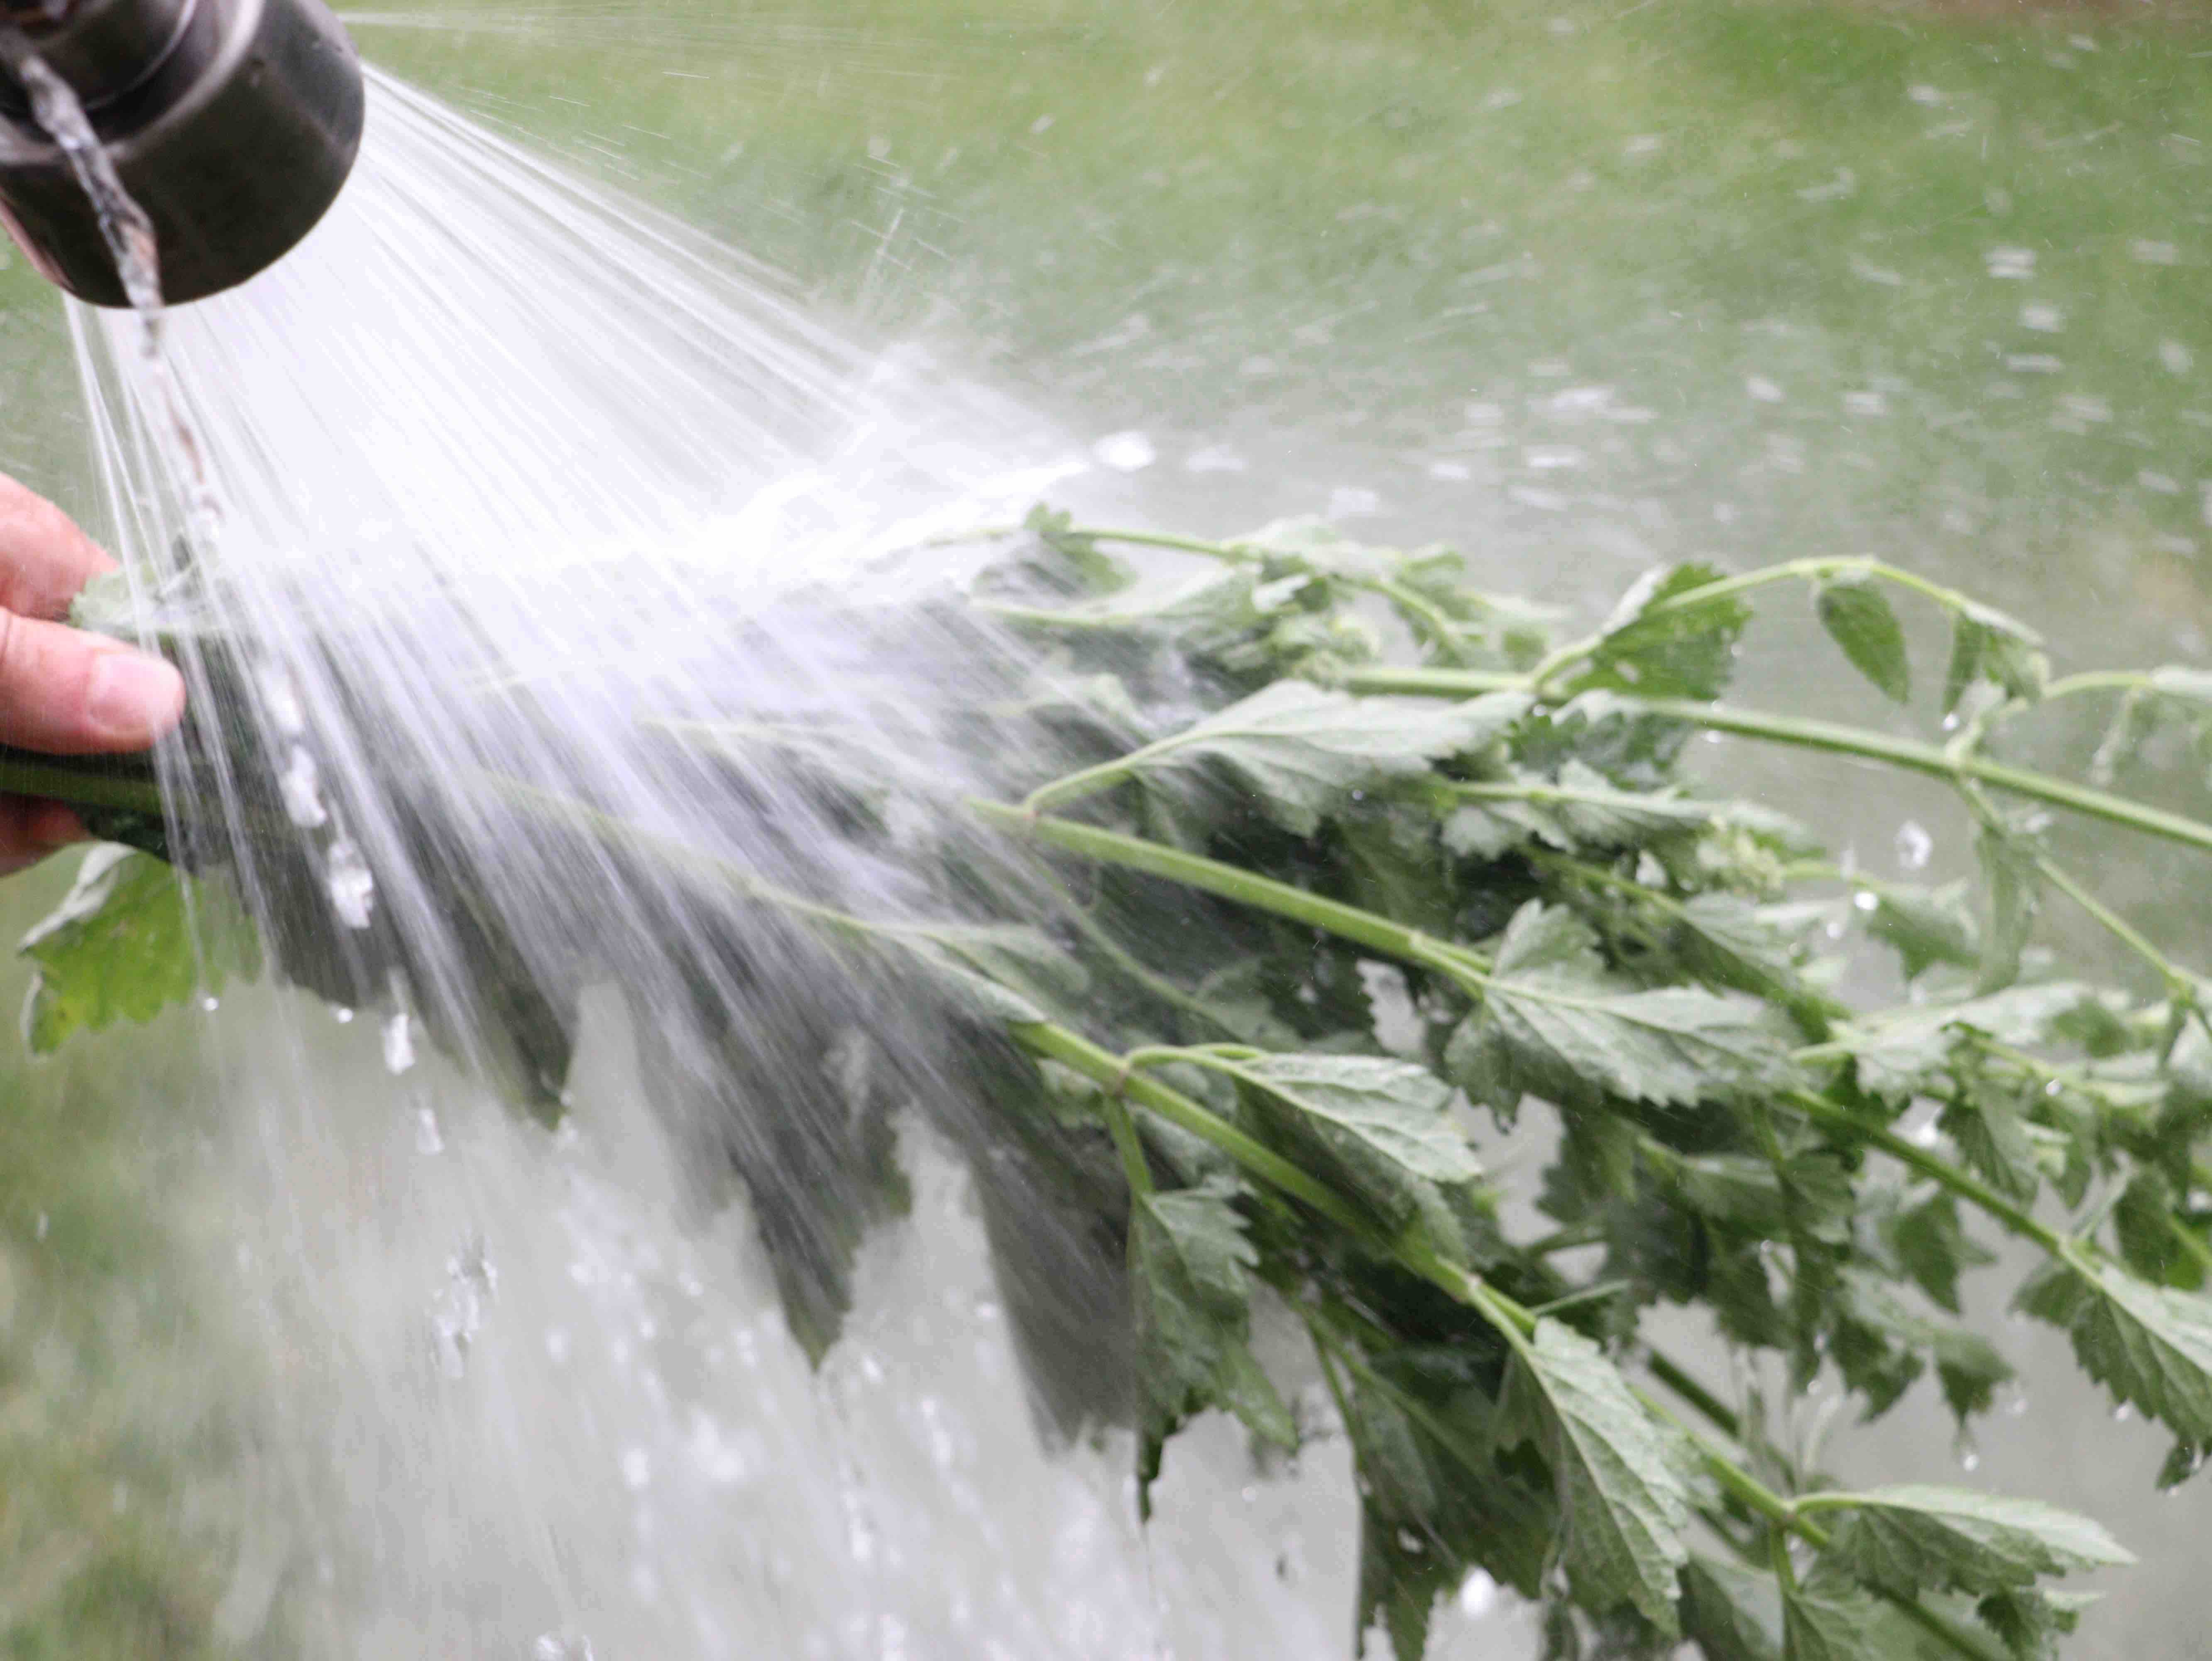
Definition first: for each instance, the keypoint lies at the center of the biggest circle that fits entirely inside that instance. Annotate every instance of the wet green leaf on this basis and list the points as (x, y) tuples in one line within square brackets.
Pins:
[(1835, 1624), (1620, 1474), (1656, 646), (2150, 1345), (1299, 751), (1556, 1024), (1856, 613), (1189, 1267), (133, 938), (1908, 1538)]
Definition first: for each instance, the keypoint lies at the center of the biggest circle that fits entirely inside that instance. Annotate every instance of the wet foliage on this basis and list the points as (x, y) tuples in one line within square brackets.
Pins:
[(1275, 892)]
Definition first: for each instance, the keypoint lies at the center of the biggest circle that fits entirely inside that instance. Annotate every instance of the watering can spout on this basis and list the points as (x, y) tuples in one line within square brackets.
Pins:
[(233, 124)]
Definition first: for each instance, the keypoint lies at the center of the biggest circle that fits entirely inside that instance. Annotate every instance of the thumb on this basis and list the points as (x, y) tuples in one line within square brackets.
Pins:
[(69, 693)]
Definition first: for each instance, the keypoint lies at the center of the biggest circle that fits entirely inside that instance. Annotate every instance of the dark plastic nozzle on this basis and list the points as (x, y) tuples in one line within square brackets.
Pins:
[(233, 122)]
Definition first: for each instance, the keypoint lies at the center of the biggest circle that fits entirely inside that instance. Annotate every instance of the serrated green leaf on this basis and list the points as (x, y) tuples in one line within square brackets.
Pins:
[(1906, 1051), (1926, 926), (2150, 1345), (2030, 1623), (1621, 1491), (1300, 751), (1932, 1245), (1554, 1023), (1189, 1264), (1435, 1503), (1395, 867), (1987, 645), (1967, 1365), (1834, 1624), (2013, 880), (1382, 1123), (133, 937), (1092, 567), (1729, 942), (1024, 962), (1731, 1613), (2150, 1233), (972, 992), (1910, 1538), (1490, 829), (1856, 613), (1596, 814), (1985, 1121), (1655, 648)]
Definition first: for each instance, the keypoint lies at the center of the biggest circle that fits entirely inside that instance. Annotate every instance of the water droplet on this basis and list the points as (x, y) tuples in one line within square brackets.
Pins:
[(300, 784), (457, 1314), (280, 695), (561, 1646), (399, 1051), (342, 1015), (1914, 846), (1864, 900), (1478, 1596), (1125, 453), (352, 887), (2176, 358), (637, 1470), (2123, 1412), (208, 1005), (427, 1137), (1968, 1455), (39, 1231)]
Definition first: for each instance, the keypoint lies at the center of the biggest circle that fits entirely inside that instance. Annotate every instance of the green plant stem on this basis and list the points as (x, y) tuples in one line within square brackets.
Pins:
[(55, 780), (2180, 987), (1678, 1379), (1788, 1516), (1937, 1169), (1493, 790), (2100, 680), (1367, 928), (1909, 754), (1123, 1130), (1102, 1067)]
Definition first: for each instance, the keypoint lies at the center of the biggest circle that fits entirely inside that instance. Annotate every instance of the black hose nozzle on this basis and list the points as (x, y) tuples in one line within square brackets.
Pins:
[(233, 123)]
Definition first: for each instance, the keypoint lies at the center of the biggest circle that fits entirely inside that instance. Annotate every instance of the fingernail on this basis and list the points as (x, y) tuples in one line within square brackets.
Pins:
[(134, 698)]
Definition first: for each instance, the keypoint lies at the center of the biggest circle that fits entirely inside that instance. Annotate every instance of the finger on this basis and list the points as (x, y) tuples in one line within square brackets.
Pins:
[(68, 693), (44, 559), (30, 830)]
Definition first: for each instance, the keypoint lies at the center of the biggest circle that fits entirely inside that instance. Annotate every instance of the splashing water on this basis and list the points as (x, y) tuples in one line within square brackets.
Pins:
[(516, 481)]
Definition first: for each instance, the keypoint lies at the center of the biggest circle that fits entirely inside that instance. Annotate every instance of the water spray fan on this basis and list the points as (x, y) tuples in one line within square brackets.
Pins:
[(233, 122)]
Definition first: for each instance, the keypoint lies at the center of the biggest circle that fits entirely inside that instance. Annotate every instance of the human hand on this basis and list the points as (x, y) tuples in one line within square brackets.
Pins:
[(63, 691)]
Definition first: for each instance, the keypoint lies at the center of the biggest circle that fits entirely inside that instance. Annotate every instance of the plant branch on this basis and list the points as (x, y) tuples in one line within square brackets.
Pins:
[(1367, 928), (1939, 1171), (1908, 754)]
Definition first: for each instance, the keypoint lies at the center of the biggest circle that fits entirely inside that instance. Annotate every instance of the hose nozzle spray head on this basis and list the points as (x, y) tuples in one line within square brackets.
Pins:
[(234, 124)]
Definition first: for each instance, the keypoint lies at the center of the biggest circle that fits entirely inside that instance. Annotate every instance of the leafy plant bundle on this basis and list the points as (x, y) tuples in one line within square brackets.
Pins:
[(1352, 857)]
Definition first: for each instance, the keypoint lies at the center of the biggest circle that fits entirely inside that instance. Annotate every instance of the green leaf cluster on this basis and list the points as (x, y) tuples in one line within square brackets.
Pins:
[(1279, 885)]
